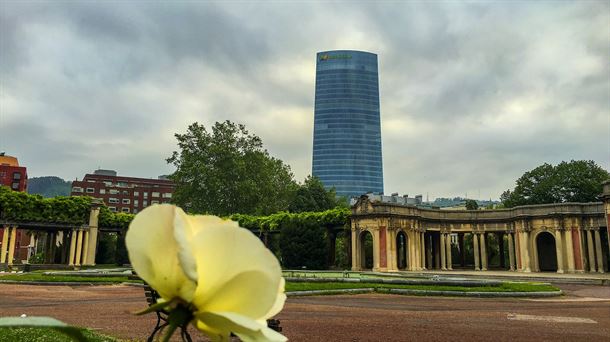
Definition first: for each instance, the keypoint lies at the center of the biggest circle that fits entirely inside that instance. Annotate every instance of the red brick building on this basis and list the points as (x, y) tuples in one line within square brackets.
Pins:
[(16, 178), (11, 174), (124, 194)]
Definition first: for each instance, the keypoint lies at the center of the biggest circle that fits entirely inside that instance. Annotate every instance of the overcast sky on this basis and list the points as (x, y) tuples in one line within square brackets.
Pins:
[(472, 94)]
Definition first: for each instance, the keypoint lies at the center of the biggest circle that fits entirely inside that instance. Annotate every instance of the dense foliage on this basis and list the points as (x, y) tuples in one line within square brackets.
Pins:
[(274, 222), (472, 205), (312, 196), (303, 244), (49, 186), (21, 207), (108, 218), (227, 171), (576, 181)]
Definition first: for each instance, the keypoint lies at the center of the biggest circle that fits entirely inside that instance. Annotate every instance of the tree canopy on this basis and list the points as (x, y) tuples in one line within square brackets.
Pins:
[(228, 171), (574, 181), (312, 196), (471, 204)]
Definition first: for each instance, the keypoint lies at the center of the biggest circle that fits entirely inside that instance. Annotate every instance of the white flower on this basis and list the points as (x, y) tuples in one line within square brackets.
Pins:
[(224, 273)]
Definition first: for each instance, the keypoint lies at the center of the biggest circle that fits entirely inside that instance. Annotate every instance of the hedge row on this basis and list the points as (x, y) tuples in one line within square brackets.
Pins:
[(23, 207)]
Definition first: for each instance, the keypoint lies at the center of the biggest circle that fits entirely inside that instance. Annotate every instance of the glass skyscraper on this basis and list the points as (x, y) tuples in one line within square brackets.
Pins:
[(347, 127)]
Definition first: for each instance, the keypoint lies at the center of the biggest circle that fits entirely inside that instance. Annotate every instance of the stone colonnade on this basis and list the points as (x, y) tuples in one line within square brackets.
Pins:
[(82, 245), (569, 237)]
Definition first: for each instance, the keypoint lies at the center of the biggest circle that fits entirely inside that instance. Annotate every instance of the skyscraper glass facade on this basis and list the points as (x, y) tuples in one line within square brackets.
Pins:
[(347, 128)]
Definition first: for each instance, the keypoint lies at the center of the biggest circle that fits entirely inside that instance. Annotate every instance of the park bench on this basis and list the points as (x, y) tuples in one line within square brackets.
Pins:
[(162, 317)]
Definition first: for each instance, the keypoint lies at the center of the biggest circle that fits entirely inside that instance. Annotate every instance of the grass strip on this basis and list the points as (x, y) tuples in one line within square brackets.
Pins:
[(48, 334), (62, 278), (505, 287)]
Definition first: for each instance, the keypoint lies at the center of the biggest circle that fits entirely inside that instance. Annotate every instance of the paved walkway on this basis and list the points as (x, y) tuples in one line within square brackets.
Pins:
[(583, 314), (498, 274)]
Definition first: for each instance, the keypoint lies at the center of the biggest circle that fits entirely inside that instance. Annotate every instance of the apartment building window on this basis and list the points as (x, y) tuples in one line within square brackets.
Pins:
[(77, 189), (136, 203), (125, 210), (16, 175), (154, 202), (107, 183), (155, 194), (113, 209), (90, 190), (102, 191), (113, 200), (144, 203), (136, 193), (113, 191), (135, 211), (15, 186), (121, 184), (125, 192), (167, 195), (126, 201), (145, 194)]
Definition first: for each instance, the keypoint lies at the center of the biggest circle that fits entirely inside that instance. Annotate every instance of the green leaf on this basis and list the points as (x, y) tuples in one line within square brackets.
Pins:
[(43, 322)]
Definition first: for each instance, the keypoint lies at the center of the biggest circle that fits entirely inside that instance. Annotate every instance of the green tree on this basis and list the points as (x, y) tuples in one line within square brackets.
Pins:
[(576, 181), (227, 171), (303, 244), (472, 204), (312, 196)]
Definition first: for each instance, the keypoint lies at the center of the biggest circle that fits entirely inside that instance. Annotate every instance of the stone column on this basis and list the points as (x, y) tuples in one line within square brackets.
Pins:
[(423, 250), (475, 244), (11, 245), (85, 248), (449, 260), (591, 251), (526, 252), (511, 251), (443, 252), (93, 234), (355, 252), (79, 248), (72, 247), (4, 248), (437, 255), (429, 252), (598, 251), (483, 253), (376, 250), (559, 250), (569, 250), (416, 251)]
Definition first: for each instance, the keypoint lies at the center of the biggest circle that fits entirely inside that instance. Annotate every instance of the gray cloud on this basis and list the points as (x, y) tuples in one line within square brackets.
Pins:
[(472, 95)]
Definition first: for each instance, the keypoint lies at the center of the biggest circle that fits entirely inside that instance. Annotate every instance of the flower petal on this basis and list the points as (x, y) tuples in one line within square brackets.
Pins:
[(248, 293), (185, 228), (235, 260), (279, 300), (153, 252), (247, 329)]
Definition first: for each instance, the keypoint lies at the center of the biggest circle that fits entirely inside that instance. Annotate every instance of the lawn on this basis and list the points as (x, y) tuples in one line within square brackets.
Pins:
[(504, 287), (63, 278), (46, 335), (303, 286)]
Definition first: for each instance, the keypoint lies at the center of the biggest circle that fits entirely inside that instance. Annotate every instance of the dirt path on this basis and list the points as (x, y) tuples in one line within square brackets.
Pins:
[(583, 315)]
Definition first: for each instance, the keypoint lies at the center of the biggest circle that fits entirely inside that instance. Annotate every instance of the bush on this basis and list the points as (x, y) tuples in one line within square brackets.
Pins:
[(303, 244)]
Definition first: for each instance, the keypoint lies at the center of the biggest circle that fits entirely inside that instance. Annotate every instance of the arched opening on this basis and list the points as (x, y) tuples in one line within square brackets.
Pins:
[(366, 247), (401, 250), (547, 254)]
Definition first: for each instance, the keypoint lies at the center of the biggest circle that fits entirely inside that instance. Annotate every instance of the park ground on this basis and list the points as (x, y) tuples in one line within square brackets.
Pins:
[(582, 314)]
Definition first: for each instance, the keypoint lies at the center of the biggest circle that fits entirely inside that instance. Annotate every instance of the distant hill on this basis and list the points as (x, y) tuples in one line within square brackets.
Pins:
[(49, 186)]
